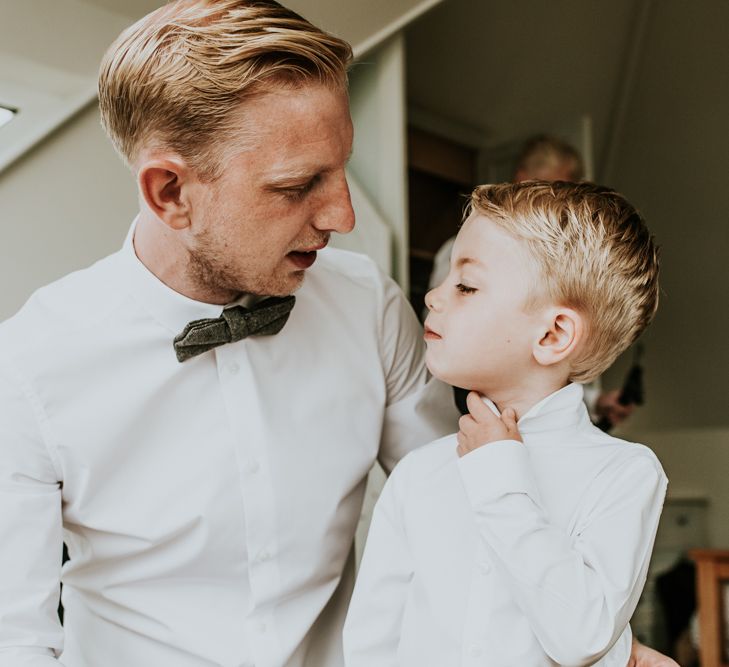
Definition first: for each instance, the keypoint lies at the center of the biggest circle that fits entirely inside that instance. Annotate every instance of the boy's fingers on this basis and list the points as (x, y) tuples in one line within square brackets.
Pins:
[(478, 409), (465, 423), (508, 417)]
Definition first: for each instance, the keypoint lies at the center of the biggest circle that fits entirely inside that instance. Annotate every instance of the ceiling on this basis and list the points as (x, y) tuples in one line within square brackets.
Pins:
[(511, 69), (363, 23), (131, 8)]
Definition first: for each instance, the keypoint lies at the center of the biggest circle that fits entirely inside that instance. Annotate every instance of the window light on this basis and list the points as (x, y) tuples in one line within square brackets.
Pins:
[(6, 115)]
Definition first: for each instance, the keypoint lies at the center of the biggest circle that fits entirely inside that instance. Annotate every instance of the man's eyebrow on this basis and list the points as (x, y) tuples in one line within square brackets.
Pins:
[(297, 175), (291, 177)]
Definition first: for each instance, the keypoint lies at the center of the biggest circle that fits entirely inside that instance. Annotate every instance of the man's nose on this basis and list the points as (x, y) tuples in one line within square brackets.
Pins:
[(336, 213)]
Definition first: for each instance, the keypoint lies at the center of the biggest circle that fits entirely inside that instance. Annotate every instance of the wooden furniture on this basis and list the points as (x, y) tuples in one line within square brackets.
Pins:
[(712, 584)]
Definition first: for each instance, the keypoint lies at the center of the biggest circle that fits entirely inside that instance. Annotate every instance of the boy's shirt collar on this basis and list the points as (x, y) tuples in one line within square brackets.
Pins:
[(563, 409)]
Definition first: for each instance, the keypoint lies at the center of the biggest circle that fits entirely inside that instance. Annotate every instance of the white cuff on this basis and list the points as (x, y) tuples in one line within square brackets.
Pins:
[(495, 470)]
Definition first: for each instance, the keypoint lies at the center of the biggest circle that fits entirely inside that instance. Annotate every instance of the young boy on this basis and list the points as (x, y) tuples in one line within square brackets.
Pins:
[(525, 538)]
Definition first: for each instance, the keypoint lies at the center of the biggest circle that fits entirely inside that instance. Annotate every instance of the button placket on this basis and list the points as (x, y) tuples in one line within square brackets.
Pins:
[(249, 437)]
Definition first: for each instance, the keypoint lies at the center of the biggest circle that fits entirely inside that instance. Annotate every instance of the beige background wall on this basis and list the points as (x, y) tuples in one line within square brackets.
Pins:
[(673, 161), (62, 206)]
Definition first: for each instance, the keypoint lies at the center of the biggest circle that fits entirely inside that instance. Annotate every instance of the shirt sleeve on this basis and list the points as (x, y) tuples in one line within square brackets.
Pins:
[(419, 408), (30, 533), (374, 620), (578, 590)]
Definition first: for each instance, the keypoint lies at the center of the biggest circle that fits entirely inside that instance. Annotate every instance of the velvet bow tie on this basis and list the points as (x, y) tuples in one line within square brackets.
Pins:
[(265, 318)]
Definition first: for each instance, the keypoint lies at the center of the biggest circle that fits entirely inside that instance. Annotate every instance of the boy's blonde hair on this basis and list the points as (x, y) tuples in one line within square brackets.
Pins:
[(177, 77), (594, 253)]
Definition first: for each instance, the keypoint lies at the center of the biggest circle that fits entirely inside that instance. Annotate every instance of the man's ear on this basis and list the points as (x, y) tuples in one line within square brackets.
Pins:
[(561, 335), (164, 184)]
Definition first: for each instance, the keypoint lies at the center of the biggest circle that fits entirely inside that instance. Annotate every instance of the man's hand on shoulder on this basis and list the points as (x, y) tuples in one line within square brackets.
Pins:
[(481, 426), (643, 656)]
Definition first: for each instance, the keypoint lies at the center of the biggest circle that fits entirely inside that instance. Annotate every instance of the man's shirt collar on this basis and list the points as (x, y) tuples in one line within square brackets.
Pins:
[(170, 308)]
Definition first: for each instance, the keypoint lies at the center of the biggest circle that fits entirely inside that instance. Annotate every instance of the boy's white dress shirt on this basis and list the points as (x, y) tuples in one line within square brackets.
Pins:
[(209, 506), (516, 554)]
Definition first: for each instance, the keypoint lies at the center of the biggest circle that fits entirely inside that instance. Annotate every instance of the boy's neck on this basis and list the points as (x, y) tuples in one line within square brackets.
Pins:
[(523, 397)]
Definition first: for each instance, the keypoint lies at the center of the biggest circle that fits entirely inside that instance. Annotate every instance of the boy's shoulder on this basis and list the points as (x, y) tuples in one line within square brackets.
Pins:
[(624, 456)]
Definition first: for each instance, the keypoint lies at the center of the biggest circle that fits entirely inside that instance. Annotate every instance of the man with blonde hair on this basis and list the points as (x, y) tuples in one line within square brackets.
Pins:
[(200, 442)]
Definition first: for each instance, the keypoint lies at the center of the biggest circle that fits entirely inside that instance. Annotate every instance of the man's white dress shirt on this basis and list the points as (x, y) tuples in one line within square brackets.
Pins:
[(514, 555), (208, 506)]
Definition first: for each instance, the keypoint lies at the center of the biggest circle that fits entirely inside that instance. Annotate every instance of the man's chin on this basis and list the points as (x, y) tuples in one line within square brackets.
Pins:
[(283, 285)]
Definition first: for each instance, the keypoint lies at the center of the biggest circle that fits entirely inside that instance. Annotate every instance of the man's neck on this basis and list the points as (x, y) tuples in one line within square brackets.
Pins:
[(160, 250)]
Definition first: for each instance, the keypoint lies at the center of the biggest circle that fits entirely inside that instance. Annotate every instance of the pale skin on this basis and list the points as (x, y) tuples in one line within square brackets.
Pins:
[(487, 329)]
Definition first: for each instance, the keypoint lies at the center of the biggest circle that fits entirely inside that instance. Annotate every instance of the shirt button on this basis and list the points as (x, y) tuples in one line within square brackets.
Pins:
[(233, 368), (263, 557), (484, 567), (262, 628), (252, 467), (475, 651)]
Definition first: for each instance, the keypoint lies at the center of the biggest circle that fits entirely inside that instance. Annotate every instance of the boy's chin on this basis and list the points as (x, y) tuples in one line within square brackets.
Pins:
[(444, 375)]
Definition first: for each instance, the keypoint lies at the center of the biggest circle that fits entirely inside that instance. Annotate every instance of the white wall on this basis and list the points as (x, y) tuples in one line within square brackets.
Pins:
[(379, 157), (62, 206)]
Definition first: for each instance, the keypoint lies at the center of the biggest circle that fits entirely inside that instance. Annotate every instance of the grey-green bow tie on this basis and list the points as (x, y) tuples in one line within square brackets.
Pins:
[(265, 318)]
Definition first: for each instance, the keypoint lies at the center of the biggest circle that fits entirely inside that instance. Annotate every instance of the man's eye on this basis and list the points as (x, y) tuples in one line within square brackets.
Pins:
[(300, 191), (464, 289)]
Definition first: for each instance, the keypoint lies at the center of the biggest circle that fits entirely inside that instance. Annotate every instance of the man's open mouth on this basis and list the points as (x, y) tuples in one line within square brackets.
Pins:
[(303, 259)]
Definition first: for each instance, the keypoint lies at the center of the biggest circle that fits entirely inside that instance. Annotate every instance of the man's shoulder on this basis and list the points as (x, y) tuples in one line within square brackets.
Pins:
[(350, 268), (68, 304)]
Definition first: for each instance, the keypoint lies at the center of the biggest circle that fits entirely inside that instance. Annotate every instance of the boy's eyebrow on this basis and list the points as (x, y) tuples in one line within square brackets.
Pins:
[(461, 261)]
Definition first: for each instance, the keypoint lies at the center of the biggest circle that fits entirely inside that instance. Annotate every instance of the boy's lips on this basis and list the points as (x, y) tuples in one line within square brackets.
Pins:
[(429, 334)]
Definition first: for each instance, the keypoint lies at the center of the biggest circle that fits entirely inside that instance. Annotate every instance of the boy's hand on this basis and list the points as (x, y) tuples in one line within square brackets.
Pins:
[(482, 426), (643, 656)]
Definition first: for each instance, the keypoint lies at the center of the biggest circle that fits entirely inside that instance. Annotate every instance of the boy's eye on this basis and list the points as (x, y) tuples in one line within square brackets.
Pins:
[(465, 289)]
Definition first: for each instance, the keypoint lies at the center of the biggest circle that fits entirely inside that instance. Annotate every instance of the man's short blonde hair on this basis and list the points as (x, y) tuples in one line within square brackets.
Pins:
[(593, 253), (177, 77)]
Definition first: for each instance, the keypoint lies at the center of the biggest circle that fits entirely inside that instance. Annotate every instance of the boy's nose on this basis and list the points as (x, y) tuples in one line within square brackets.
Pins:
[(432, 302)]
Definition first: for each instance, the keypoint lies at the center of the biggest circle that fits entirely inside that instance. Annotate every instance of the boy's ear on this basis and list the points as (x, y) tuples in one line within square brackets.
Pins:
[(165, 183), (562, 334)]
